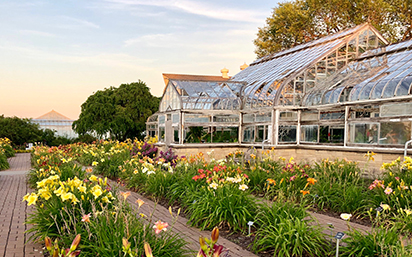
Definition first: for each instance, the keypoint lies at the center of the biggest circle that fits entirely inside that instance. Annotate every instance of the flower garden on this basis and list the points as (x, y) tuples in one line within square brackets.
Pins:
[(276, 194), (6, 151)]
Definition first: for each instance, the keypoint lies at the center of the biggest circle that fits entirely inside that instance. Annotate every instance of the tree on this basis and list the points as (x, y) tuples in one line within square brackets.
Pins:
[(120, 112), (22, 131), (296, 22)]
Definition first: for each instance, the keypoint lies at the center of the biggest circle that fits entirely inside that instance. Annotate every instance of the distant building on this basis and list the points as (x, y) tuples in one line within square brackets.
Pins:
[(61, 124)]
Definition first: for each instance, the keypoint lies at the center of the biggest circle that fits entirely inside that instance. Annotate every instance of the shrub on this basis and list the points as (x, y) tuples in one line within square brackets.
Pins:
[(283, 229), (224, 206), (379, 242), (143, 149), (4, 165), (168, 157)]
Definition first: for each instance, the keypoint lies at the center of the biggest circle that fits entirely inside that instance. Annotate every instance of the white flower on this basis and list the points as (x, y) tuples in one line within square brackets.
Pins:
[(145, 170), (150, 172), (230, 179), (243, 187), (345, 216), (385, 207), (213, 185), (237, 180)]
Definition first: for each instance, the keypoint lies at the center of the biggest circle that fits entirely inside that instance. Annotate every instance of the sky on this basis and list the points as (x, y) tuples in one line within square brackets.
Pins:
[(55, 54)]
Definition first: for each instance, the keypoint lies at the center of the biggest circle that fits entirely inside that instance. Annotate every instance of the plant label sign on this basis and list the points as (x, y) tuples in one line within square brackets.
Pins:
[(379, 209), (339, 235)]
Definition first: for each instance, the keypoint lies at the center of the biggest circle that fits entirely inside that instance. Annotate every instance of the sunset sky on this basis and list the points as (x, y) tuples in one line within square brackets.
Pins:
[(54, 54)]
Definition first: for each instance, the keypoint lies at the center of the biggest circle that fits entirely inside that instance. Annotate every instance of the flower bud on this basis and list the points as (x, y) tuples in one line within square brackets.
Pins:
[(203, 245), (48, 243), (75, 243), (215, 235), (126, 244), (147, 250)]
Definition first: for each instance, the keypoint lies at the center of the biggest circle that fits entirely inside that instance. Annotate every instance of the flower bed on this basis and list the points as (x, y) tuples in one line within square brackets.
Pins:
[(6, 151), (223, 193), (71, 203)]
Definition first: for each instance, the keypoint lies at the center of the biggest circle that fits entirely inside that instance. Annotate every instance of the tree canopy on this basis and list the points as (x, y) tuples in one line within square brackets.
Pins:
[(22, 131), (300, 21), (120, 112)]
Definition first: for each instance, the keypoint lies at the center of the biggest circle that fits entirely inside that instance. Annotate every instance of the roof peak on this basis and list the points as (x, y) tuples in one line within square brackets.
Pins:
[(53, 115)]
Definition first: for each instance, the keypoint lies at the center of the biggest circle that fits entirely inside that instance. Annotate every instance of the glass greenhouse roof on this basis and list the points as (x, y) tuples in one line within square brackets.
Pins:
[(199, 95), (295, 75), (282, 75), (378, 74)]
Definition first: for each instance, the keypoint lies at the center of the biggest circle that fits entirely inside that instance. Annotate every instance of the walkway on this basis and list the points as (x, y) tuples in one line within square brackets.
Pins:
[(13, 211)]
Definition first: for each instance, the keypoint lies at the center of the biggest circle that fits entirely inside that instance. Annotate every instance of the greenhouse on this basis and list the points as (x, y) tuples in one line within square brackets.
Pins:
[(347, 90)]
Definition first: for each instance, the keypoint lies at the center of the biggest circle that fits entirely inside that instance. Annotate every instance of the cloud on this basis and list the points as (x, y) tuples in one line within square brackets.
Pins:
[(76, 22), (37, 33), (201, 9), (114, 60), (153, 40)]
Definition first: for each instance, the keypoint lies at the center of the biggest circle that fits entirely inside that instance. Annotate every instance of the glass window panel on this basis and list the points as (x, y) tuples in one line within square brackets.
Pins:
[(364, 94), (249, 134), (309, 115), (404, 86), (288, 116), (261, 133), (198, 134), (162, 134), (197, 118), (175, 135), (264, 117), (396, 109), (355, 93), (335, 95), (364, 112), (331, 134), (162, 119), (325, 98), (287, 133), (309, 133), (389, 90), (332, 115), (175, 118), (364, 133), (248, 118), (152, 133), (225, 134), (226, 118), (395, 133), (377, 91)]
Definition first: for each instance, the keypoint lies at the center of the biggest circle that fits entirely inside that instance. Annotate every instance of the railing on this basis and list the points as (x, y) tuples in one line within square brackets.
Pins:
[(405, 152)]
